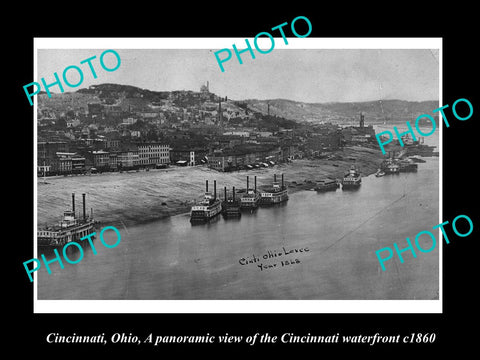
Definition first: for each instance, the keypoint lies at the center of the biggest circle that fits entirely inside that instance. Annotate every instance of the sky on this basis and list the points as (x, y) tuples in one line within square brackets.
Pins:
[(306, 75)]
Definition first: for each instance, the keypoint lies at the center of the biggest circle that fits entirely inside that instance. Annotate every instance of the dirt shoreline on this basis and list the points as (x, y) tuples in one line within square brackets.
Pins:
[(134, 198)]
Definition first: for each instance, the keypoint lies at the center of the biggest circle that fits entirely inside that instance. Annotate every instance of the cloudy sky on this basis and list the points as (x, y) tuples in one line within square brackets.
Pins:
[(308, 75)]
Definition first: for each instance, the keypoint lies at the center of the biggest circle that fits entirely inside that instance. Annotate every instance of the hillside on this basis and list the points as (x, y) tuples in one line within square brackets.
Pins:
[(131, 97), (110, 94), (375, 111)]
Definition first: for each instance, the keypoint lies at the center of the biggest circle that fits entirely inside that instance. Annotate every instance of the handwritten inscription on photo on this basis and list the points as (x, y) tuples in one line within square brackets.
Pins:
[(281, 258)]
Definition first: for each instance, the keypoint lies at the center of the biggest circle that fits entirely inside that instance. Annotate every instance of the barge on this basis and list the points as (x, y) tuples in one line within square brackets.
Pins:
[(326, 185), (407, 165), (70, 228), (208, 208), (276, 194)]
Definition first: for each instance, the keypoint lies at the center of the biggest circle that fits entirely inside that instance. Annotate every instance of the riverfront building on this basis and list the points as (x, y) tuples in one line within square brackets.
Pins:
[(244, 156), (153, 153)]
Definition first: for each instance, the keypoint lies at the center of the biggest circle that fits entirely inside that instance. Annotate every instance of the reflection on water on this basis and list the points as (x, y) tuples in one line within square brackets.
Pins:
[(263, 254)]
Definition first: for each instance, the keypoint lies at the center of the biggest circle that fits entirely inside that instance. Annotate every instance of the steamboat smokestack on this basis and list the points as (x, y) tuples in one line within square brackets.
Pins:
[(214, 189), (206, 185), (225, 192), (247, 183), (283, 185), (234, 194), (274, 177), (84, 211), (255, 181), (73, 203)]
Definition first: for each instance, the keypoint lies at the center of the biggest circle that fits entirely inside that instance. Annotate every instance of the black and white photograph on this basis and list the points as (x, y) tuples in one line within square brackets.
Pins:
[(262, 182)]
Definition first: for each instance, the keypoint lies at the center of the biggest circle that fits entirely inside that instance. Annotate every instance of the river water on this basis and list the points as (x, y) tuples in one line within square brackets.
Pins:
[(329, 240)]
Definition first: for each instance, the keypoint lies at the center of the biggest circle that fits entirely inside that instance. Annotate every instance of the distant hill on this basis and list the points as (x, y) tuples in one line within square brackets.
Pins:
[(374, 111), (338, 112)]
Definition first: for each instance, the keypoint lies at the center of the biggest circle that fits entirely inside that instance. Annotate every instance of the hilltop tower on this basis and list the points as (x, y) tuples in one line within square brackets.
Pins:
[(205, 88)]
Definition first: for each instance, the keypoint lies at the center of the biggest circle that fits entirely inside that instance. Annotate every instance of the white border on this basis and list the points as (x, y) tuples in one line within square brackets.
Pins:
[(218, 43), (239, 306)]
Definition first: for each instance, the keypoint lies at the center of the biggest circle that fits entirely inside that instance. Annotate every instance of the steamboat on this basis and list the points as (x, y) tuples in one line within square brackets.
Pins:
[(231, 205), (70, 228), (276, 194), (352, 179), (390, 166), (251, 199), (208, 208)]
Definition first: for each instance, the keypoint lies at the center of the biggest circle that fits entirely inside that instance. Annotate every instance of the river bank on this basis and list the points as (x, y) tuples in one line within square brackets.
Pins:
[(168, 259), (132, 198)]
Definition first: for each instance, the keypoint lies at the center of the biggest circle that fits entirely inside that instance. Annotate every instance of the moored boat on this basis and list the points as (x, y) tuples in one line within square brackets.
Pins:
[(208, 208), (275, 194), (231, 205), (407, 165), (326, 185), (390, 166), (251, 199), (352, 178), (380, 173), (70, 228)]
